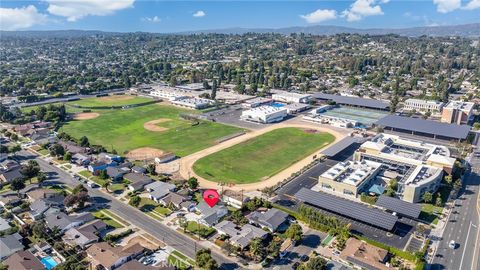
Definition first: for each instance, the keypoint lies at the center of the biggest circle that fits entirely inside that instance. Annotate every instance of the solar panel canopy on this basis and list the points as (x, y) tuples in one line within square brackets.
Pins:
[(401, 207), (341, 145), (347, 208), (354, 101), (425, 126)]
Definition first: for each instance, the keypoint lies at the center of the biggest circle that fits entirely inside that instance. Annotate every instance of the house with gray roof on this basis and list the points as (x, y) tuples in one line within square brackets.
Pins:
[(137, 181), (172, 199), (240, 237), (158, 190), (272, 219), (24, 260), (115, 173), (4, 225), (39, 207), (10, 244), (85, 234), (210, 215), (65, 222), (11, 174)]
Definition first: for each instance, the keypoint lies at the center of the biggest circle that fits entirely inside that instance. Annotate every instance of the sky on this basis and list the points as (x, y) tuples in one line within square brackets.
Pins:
[(177, 16)]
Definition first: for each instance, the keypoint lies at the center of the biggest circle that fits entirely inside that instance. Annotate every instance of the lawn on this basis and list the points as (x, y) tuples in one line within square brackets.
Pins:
[(179, 260), (148, 205), (431, 213), (261, 157), (199, 229), (100, 214), (109, 101), (123, 130)]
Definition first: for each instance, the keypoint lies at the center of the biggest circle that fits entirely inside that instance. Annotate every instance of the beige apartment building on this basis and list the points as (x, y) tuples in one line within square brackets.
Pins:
[(457, 112)]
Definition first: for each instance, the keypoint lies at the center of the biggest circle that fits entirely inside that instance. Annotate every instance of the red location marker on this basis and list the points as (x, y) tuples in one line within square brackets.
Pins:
[(210, 196)]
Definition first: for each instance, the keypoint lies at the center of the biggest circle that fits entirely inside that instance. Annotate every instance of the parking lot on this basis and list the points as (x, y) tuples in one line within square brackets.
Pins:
[(231, 116)]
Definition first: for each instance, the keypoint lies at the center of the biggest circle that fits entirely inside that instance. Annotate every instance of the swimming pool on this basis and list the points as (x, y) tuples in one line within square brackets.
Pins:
[(49, 262), (277, 105)]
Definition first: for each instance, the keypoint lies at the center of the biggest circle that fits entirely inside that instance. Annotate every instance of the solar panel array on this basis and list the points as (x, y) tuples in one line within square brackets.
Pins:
[(425, 126), (354, 101), (402, 207), (341, 145), (347, 208)]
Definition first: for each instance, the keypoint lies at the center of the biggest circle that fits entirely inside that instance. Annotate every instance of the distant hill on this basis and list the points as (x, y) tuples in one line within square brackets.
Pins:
[(465, 30)]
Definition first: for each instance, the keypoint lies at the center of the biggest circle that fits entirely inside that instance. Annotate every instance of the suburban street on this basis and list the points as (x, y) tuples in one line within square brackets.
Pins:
[(181, 242), (462, 227)]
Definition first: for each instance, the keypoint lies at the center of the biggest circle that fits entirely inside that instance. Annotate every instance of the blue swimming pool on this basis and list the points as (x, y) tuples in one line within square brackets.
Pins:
[(49, 262), (277, 105)]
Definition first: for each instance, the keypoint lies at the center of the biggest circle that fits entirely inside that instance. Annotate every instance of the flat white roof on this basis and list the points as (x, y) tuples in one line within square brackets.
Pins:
[(351, 172), (460, 105)]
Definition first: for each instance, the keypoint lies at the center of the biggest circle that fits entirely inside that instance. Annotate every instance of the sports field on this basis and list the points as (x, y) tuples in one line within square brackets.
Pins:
[(108, 101), (261, 157), (124, 130)]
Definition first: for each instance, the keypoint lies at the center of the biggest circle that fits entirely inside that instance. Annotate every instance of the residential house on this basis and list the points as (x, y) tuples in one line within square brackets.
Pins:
[(158, 189), (109, 157), (137, 181), (46, 206), (81, 159), (173, 200), (115, 173), (240, 237), (210, 215), (235, 199), (364, 255), (138, 169), (24, 260), (41, 193), (65, 222), (7, 176), (85, 234), (24, 130), (8, 164), (99, 165), (10, 199), (273, 219), (4, 225), (104, 255), (73, 148), (10, 244)]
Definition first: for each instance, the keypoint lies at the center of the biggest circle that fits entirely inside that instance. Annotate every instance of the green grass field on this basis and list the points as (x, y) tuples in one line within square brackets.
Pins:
[(261, 157), (109, 101), (123, 130)]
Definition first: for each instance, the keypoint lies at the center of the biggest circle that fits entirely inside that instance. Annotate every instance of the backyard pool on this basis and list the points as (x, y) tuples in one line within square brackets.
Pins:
[(49, 262)]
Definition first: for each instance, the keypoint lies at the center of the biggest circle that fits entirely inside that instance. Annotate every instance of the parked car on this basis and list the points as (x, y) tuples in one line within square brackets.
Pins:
[(452, 244)]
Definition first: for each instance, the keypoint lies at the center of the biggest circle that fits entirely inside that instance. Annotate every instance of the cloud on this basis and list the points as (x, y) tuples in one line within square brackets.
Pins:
[(154, 19), (320, 15), (445, 6), (474, 4), (199, 14), (363, 8), (20, 18), (77, 9)]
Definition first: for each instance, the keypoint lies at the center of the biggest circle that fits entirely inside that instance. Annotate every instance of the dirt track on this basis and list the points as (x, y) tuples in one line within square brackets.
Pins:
[(186, 163), (144, 153), (85, 116), (152, 125)]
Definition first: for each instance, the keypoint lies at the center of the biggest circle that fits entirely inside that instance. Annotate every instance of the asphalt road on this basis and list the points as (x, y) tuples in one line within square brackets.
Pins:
[(462, 227), (181, 242)]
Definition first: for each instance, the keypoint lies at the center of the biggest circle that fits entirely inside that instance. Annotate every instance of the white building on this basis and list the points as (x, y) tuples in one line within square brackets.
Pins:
[(421, 105), (293, 108), (169, 93), (193, 103), (291, 97), (418, 166), (256, 102), (331, 120), (264, 114)]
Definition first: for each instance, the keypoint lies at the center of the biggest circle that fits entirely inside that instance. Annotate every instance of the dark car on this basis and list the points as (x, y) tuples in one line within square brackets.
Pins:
[(295, 265), (304, 258)]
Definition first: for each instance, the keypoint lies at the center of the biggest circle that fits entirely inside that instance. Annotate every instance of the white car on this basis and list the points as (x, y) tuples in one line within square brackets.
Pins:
[(452, 244)]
